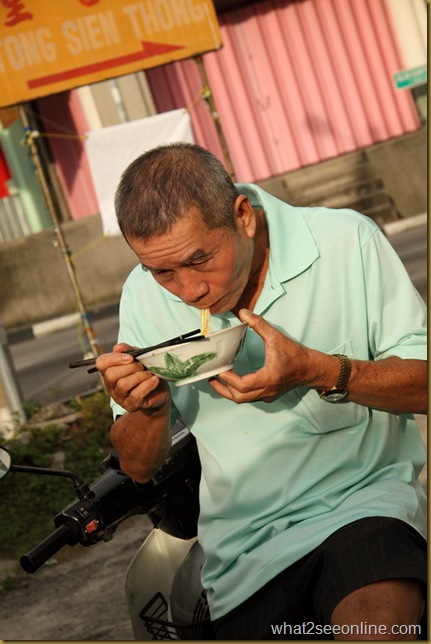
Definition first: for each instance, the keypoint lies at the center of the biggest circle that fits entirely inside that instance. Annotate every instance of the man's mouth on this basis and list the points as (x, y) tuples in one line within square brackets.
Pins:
[(218, 305), (202, 307), (214, 307)]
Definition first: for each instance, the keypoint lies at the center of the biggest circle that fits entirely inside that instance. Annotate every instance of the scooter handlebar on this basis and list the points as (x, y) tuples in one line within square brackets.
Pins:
[(170, 500), (66, 534)]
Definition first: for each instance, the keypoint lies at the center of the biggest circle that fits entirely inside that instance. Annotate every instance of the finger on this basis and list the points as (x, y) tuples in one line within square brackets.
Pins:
[(106, 360), (122, 346), (148, 393), (155, 399), (143, 394), (230, 378), (224, 390), (231, 386), (257, 323), (119, 381), (123, 382), (251, 382), (154, 395)]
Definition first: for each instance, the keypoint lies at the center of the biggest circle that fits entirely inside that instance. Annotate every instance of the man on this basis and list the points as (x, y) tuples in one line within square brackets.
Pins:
[(310, 508)]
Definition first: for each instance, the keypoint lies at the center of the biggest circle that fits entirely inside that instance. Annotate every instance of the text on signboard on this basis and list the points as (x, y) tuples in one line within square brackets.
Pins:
[(92, 32)]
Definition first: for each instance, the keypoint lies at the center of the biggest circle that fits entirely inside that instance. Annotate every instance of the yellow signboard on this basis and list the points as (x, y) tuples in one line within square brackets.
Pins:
[(48, 47)]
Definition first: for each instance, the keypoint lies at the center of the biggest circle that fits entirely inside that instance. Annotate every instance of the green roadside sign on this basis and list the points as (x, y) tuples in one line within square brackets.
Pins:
[(408, 78)]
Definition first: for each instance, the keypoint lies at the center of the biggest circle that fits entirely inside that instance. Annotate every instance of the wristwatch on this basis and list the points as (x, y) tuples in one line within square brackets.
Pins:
[(339, 392)]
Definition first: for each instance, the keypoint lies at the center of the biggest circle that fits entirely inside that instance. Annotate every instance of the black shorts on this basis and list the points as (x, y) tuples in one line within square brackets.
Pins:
[(360, 553)]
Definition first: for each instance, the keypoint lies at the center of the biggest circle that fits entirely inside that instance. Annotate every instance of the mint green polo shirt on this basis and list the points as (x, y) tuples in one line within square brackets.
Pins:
[(278, 478)]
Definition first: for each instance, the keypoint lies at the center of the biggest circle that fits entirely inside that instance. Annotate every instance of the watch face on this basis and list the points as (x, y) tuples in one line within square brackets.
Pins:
[(335, 396)]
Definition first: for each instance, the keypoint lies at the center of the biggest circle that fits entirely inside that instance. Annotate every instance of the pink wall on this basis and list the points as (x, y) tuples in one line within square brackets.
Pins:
[(62, 115), (296, 82)]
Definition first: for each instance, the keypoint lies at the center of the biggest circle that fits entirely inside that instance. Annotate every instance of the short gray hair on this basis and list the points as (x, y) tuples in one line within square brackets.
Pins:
[(164, 183)]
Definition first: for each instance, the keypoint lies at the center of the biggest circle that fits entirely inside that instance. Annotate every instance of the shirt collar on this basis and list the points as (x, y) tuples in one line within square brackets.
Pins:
[(292, 246)]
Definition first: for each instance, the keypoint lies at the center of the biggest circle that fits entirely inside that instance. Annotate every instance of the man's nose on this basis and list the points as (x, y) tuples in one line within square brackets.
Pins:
[(192, 288)]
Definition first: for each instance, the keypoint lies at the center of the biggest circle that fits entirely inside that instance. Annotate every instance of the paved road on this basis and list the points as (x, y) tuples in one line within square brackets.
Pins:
[(41, 363)]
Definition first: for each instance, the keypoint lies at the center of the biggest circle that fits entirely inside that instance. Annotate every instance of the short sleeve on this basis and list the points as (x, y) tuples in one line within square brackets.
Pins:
[(396, 312)]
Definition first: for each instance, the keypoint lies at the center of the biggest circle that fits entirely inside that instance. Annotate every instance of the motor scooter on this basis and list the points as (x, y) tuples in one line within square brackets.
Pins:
[(164, 594)]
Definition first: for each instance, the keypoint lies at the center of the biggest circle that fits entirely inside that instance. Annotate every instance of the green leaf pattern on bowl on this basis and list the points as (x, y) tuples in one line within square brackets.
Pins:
[(176, 369)]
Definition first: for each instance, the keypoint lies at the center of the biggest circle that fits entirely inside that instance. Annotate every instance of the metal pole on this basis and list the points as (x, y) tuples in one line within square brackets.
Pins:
[(95, 348), (9, 388), (207, 95)]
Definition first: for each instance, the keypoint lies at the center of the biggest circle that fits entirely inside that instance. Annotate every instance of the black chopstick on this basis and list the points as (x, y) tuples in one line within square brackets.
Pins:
[(186, 337)]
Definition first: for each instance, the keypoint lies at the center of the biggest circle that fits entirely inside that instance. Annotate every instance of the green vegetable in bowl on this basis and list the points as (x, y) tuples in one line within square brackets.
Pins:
[(176, 369)]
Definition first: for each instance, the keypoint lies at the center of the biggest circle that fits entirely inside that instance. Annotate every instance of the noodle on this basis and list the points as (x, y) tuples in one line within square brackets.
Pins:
[(205, 321)]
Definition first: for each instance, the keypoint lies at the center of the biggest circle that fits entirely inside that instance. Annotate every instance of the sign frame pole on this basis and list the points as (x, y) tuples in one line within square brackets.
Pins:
[(95, 348), (207, 95)]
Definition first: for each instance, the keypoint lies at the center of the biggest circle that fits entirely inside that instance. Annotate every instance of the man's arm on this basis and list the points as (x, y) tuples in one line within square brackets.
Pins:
[(142, 442), (391, 384), (141, 437)]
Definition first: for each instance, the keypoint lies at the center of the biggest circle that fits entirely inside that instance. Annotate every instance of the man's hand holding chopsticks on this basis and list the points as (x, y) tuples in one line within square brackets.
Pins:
[(129, 383)]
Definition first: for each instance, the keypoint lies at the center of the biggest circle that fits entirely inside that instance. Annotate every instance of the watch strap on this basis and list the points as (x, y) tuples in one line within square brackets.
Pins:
[(345, 371), (343, 378)]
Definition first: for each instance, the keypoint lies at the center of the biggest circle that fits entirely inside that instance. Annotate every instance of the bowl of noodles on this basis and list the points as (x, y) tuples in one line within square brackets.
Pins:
[(190, 362)]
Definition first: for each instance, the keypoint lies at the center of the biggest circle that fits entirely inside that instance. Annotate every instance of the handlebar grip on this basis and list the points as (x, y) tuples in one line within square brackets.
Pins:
[(66, 534)]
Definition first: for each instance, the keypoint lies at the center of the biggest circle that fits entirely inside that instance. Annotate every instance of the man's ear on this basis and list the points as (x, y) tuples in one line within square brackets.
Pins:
[(245, 219)]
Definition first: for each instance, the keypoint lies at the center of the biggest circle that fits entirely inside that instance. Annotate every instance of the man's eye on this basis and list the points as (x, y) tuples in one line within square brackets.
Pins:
[(199, 262), (162, 272)]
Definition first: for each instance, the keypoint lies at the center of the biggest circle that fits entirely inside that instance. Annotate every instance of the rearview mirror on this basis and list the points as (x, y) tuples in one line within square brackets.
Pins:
[(5, 462)]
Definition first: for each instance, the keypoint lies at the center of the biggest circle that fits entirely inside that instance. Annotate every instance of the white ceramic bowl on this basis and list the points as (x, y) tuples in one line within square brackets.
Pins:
[(193, 361)]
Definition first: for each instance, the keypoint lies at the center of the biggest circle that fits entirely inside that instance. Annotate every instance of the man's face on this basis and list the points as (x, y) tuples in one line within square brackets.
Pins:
[(206, 268)]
